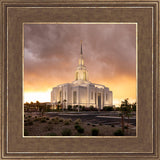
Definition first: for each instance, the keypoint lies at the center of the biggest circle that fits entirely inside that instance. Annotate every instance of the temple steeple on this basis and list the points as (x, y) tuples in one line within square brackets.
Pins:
[(81, 48), (81, 72), (81, 60)]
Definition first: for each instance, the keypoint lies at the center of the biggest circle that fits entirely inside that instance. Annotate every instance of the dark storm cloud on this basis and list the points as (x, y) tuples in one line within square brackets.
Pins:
[(52, 51)]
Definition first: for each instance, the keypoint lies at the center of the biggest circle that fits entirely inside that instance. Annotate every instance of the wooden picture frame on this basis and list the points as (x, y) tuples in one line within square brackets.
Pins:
[(145, 145)]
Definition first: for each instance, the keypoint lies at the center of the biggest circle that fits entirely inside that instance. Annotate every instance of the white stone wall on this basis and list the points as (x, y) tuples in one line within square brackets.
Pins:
[(54, 95), (84, 95), (92, 89), (109, 100)]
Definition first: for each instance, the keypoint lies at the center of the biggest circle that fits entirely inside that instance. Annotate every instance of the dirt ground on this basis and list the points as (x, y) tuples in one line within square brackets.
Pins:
[(36, 125)]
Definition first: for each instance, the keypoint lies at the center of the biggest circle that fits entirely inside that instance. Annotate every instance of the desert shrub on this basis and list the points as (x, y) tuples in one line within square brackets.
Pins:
[(95, 131), (112, 125), (66, 122), (76, 126), (43, 121), (118, 133), (70, 120), (61, 120), (75, 107), (91, 108), (56, 118), (51, 134), (69, 107), (83, 108), (108, 108), (80, 130), (30, 123), (25, 132), (66, 132), (50, 122), (77, 121), (36, 119)]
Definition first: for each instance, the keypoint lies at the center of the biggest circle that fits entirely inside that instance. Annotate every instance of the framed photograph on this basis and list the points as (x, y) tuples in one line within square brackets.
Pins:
[(80, 79), (55, 107)]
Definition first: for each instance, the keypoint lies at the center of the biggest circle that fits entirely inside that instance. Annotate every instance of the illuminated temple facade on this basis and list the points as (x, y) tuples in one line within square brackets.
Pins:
[(82, 91)]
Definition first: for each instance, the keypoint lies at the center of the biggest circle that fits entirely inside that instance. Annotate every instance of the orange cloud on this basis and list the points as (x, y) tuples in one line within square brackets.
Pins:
[(51, 53)]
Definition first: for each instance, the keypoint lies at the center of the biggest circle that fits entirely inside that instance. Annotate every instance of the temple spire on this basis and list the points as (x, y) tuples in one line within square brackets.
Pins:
[(81, 72), (81, 61), (81, 48)]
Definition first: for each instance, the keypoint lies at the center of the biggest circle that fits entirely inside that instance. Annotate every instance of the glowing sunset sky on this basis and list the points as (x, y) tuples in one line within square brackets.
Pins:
[(51, 53)]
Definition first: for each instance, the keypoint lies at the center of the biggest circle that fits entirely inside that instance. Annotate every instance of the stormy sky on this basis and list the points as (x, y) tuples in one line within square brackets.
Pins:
[(51, 53)]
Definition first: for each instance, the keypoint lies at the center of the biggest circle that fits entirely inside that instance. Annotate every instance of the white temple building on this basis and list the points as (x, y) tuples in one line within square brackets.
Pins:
[(82, 91)]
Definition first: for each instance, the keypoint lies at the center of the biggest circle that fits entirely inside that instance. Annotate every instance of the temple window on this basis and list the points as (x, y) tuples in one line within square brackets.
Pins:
[(74, 97)]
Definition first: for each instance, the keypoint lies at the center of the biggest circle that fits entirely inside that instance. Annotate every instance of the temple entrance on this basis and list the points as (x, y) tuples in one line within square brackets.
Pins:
[(99, 100)]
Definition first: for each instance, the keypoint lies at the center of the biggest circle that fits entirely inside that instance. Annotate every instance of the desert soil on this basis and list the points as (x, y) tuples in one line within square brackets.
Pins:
[(53, 125)]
